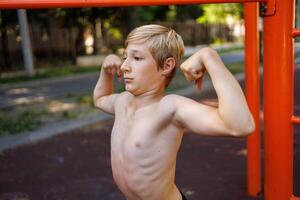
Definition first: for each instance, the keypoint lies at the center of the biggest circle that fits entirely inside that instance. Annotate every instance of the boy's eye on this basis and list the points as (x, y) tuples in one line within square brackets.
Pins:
[(124, 57), (137, 58)]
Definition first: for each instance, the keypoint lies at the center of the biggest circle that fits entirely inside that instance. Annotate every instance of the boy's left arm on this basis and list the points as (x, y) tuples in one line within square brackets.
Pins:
[(232, 116)]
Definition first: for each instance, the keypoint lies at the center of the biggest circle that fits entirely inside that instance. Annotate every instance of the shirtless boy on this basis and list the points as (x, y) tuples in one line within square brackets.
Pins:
[(149, 124)]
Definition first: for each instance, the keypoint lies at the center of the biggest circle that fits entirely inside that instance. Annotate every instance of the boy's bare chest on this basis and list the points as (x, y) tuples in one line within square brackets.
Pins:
[(132, 123), (137, 128)]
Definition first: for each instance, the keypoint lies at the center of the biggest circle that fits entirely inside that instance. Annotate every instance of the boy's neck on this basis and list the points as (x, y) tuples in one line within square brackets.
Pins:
[(148, 98)]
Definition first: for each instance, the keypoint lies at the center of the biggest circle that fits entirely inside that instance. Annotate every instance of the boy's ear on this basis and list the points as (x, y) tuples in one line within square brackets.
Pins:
[(169, 65)]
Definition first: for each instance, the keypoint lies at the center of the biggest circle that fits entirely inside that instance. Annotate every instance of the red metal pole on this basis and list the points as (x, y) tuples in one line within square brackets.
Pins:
[(278, 102), (253, 96), (31, 4), (296, 33)]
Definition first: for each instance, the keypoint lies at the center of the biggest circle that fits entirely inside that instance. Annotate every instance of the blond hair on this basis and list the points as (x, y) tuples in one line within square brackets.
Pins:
[(163, 43)]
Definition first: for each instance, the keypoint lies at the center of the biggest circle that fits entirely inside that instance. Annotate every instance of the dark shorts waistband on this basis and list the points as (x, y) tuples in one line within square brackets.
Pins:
[(182, 195)]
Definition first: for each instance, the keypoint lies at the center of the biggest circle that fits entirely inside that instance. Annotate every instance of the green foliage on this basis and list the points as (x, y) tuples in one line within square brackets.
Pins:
[(218, 41), (188, 12), (85, 99), (217, 13), (152, 13), (170, 13), (25, 121), (69, 114), (236, 67), (51, 72), (115, 33)]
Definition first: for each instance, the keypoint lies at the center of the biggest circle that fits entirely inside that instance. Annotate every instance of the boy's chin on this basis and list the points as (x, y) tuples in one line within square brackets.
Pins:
[(133, 91)]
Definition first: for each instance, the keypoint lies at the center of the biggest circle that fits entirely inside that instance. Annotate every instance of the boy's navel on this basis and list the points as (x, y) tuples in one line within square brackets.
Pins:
[(138, 145)]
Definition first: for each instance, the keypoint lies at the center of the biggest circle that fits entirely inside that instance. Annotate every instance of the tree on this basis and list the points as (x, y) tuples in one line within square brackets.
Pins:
[(217, 13), (26, 43), (8, 20)]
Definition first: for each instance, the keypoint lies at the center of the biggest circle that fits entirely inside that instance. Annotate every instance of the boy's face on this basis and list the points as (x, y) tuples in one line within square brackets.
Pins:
[(140, 70)]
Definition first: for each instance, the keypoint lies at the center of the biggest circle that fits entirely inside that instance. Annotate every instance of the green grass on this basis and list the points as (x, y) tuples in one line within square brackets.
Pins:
[(230, 49), (51, 73), (25, 121), (85, 99), (69, 114), (236, 67), (297, 54)]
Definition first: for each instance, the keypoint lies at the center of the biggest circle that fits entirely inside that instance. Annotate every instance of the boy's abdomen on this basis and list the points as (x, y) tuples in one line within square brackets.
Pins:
[(143, 165)]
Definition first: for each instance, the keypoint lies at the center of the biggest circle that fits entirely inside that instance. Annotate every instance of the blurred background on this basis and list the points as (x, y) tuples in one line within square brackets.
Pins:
[(49, 64), (61, 36)]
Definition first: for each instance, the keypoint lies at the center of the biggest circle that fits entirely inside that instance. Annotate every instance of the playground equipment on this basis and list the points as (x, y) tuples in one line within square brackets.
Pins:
[(278, 38)]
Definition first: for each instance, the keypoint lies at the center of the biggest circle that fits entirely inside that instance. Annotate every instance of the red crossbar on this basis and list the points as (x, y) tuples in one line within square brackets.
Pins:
[(31, 4), (295, 120), (295, 198), (296, 33)]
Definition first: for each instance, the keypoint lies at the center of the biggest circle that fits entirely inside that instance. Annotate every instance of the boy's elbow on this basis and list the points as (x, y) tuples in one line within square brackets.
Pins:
[(248, 129), (96, 102), (208, 53), (244, 131)]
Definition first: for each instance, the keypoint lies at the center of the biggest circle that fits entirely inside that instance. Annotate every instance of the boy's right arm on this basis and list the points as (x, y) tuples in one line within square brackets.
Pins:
[(103, 96), (231, 116)]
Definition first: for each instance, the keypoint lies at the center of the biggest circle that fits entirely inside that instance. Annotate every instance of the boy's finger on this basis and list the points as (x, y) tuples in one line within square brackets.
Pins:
[(113, 71), (108, 70), (198, 84), (119, 74), (188, 76)]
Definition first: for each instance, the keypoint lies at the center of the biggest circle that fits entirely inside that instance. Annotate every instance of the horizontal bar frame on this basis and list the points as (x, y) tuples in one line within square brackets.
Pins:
[(36, 4), (296, 33), (295, 198), (295, 119)]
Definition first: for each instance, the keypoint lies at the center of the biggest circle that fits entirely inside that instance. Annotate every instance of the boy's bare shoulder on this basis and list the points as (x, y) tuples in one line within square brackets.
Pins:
[(172, 98), (170, 101), (174, 102), (123, 97)]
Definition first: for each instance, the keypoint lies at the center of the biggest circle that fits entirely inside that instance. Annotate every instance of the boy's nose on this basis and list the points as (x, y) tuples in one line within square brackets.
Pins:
[(125, 67)]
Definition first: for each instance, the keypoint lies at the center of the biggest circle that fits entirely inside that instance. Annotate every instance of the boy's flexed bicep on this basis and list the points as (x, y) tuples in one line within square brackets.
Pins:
[(103, 96), (199, 118), (107, 103), (232, 117)]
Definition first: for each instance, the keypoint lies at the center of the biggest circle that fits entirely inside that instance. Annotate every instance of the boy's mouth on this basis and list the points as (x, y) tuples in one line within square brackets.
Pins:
[(127, 78)]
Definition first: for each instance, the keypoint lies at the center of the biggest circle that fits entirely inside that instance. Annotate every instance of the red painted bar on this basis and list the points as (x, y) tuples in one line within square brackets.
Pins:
[(295, 120), (295, 198), (32, 4), (296, 33), (278, 102), (253, 96)]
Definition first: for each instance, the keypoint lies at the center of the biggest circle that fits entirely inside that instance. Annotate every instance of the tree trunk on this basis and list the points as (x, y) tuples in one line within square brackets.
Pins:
[(94, 32), (72, 51), (26, 43), (4, 44), (77, 42)]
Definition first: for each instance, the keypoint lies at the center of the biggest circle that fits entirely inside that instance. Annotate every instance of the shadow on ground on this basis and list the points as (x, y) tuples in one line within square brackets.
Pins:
[(76, 166)]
